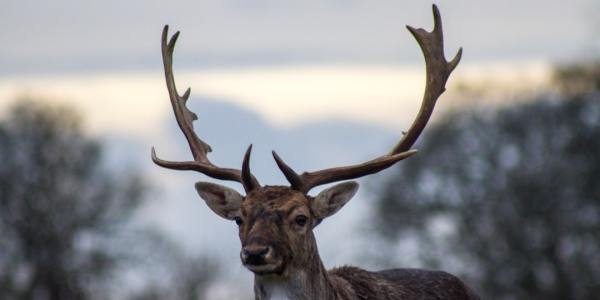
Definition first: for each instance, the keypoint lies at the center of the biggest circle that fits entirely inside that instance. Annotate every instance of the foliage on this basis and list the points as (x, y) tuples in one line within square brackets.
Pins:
[(508, 198), (56, 205), (578, 78), (173, 274)]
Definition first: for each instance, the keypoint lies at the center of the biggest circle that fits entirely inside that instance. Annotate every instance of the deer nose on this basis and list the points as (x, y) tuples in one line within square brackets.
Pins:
[(255, 254)]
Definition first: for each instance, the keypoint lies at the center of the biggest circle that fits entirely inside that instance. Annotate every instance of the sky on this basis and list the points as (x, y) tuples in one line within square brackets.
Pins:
[(84, 36), (310, 79)]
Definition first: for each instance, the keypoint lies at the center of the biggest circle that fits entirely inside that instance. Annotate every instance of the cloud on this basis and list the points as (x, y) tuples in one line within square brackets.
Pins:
[(284, 96), (66, 35)]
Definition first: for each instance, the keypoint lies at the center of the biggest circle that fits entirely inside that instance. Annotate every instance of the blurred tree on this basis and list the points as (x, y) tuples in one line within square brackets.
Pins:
[(65, 229), (174, 274), (57, 205), (574, 79), (510, 199)]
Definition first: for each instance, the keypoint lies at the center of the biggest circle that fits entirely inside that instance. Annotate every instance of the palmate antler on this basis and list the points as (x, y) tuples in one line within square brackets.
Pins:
[(438, 71), (437, 68), (185, 119)]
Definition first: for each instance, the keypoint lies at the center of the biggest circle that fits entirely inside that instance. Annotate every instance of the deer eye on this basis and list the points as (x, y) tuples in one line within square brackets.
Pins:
[(301, 220), (238, 221)]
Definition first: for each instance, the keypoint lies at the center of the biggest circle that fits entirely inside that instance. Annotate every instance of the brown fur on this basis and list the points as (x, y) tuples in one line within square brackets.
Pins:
[(269, 216), (401, 284)]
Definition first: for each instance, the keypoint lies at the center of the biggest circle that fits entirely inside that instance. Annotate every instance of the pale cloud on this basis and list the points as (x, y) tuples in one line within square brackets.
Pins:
[(128, 103), (284, 96)]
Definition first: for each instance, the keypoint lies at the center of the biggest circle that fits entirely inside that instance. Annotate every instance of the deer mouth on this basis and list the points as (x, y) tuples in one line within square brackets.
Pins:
[(264, 269), (263, 265)]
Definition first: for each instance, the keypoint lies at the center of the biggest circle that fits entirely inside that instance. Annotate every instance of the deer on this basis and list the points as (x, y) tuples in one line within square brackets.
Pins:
[(276, 223)]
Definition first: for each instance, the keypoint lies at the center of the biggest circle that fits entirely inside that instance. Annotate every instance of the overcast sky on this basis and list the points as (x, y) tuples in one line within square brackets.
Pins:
[(290, 73), (69, 35)]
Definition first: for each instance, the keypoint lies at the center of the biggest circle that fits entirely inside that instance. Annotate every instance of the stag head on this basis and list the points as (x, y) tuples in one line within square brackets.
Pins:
[(276, 222)]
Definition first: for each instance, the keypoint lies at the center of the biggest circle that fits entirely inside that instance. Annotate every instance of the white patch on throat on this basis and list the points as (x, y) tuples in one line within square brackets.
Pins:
[(276, 290), (282, 287)]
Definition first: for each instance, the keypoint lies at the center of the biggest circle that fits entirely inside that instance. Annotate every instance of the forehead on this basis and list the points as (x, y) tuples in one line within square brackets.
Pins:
[(274, 198)]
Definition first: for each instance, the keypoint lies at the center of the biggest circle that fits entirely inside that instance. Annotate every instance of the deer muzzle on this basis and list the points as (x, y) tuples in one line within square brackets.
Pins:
[(261, 258)]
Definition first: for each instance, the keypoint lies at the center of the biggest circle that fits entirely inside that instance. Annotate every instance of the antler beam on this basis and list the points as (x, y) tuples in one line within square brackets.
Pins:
[(185, 119), (438, 70)]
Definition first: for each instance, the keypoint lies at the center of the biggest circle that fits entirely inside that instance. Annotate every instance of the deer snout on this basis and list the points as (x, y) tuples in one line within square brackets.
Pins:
[(255, 254)]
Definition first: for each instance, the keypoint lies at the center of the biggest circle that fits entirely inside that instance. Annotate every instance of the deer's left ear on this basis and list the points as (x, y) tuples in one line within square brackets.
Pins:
[(329, 201)]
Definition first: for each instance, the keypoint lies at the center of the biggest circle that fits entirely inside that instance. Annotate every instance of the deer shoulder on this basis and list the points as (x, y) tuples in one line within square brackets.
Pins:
[(355, 283)]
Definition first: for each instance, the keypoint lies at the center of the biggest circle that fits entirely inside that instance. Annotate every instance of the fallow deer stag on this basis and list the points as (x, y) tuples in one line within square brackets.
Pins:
[(276, 222)]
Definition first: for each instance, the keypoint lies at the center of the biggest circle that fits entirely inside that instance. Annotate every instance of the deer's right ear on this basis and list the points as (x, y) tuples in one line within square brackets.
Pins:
[(330, 200), (224, 201)]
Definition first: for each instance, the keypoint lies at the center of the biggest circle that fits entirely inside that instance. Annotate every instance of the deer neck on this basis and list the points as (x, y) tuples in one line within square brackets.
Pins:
[(301, 281)]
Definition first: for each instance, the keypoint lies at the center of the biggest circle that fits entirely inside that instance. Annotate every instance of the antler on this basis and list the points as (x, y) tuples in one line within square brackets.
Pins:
[(438, 70), (185, 119)]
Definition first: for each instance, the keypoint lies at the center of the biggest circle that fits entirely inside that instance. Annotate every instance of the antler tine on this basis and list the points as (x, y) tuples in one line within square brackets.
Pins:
[(438, 70), (248, 181), (292, 177), (185, 119)]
